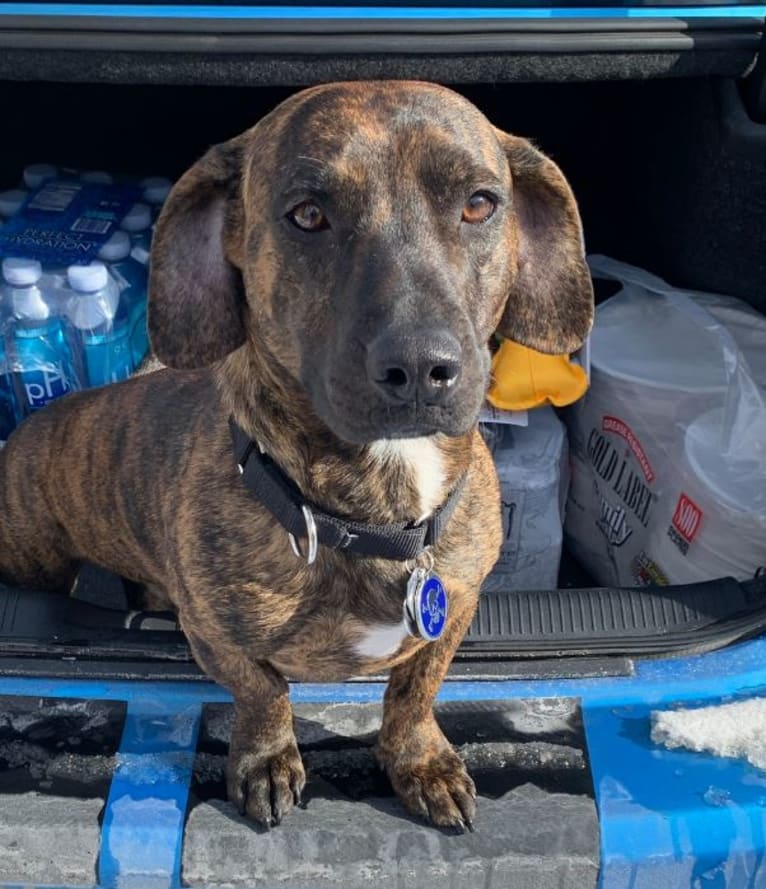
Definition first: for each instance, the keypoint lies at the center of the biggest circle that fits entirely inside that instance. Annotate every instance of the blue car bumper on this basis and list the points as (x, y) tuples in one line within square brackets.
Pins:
[(667, 817)]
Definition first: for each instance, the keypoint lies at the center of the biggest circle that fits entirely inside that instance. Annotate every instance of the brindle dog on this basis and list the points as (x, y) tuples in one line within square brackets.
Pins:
[(331, 279)]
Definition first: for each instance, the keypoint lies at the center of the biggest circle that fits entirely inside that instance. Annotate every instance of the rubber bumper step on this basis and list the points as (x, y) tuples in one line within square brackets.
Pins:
[(508, 625), (605, 620)]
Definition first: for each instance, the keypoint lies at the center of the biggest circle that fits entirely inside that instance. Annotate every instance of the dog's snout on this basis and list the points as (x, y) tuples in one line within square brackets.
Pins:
[(422, 366)]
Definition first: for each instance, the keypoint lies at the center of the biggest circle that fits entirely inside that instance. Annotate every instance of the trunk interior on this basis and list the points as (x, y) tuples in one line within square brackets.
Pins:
[(664, 180), (656, 184)]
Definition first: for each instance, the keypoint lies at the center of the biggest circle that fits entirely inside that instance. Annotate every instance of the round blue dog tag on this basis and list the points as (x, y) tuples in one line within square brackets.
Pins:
[(426, 605)]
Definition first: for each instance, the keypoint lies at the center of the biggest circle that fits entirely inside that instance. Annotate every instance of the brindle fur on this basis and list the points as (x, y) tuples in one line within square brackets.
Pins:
[(271, 324)]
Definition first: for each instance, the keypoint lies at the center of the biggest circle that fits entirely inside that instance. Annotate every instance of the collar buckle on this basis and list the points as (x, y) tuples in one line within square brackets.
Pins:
[(268, 483), (348, 539)]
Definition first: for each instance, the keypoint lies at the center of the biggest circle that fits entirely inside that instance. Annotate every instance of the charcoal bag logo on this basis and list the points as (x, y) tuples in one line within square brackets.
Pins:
[(613, 523), (686, 523)]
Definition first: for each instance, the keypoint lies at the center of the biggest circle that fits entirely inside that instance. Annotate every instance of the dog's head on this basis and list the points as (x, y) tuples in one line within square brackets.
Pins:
[(371, 237)]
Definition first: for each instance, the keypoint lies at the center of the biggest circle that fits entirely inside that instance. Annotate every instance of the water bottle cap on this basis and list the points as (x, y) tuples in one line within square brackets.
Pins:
[(28, 302), (21, 272), (36, 174), (11, 201), (137, 218), (116, 248), (140, 254), (156, 189), (88, 278), (99, 177)]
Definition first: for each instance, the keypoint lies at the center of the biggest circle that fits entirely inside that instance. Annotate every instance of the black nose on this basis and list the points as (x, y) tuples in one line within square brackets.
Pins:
[(417, 365)]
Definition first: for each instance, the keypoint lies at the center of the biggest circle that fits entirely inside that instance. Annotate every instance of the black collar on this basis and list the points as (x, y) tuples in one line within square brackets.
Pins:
[(280, 495)]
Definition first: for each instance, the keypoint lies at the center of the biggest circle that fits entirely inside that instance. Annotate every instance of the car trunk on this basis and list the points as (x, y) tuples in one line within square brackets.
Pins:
[(670, 176)]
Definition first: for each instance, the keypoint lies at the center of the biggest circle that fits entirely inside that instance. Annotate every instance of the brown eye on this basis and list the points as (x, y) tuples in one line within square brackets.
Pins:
[(478, 208), (309, 217)]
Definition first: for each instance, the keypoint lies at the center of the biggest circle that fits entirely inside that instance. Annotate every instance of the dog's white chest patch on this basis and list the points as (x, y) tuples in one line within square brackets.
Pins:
[(424, 460), (381, 640)]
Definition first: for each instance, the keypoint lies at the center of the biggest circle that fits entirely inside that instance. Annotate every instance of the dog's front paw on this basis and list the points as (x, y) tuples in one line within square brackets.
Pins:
[(436, 786), (265, 787)]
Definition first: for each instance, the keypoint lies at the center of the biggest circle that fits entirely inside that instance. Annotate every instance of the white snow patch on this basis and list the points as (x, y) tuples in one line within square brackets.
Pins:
[(737, 730)]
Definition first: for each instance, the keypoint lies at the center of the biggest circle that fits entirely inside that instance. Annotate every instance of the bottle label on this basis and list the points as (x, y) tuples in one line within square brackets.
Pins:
[(139, 334), (108, 358), (43, 386), (7, 411)]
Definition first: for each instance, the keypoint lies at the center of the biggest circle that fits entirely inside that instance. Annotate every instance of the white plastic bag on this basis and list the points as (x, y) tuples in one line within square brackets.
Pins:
[(668, 448), (531, 464)]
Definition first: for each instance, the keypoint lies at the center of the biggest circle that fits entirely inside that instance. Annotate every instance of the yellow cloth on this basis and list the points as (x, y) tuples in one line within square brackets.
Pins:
[(523, 379)]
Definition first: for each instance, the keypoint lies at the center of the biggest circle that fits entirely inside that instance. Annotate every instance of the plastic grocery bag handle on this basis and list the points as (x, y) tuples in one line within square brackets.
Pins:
[(742, 393)]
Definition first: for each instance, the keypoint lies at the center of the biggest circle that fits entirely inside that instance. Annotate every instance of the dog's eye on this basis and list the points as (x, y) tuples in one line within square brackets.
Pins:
[(309, 217), (478, 208)]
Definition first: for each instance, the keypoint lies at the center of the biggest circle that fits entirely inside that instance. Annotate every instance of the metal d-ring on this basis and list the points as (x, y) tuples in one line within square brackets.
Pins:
[(311, 534), (424, 556)]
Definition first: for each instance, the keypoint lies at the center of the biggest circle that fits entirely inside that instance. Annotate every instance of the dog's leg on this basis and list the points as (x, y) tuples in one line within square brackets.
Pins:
[(264, 774), (264, 771), (427, 774), (34, 550), (58, 574)]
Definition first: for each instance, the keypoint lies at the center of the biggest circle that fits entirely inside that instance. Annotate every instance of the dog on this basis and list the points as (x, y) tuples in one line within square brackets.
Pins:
[(323, 290)]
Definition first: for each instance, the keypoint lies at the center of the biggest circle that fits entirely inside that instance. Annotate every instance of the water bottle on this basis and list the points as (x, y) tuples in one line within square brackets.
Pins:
[(93, 307), (131, 278), (137, 222), (35, 174), (156, 190), (11, 202), (40, 359), (8, 410)]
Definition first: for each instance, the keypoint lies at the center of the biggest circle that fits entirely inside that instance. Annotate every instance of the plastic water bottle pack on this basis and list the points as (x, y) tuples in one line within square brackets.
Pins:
[(37, 351), (75, 250)]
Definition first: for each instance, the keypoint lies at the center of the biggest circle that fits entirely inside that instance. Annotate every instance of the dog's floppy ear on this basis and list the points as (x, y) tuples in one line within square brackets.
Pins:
[(196, 295), (550, 306)]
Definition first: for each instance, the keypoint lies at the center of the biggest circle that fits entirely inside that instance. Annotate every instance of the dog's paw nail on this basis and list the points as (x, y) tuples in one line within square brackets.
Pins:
[(469, 825)]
